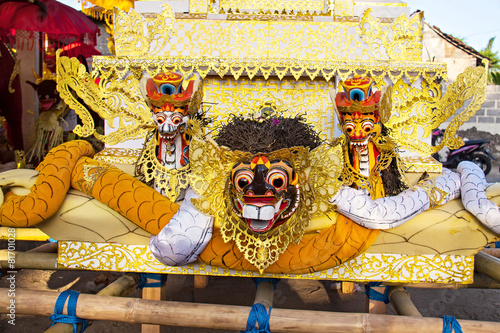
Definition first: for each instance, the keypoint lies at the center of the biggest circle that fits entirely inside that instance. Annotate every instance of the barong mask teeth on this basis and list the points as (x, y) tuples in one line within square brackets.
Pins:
[(265, 193)]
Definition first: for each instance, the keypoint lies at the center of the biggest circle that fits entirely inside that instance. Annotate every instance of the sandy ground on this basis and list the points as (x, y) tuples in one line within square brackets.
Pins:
[(473, 304)]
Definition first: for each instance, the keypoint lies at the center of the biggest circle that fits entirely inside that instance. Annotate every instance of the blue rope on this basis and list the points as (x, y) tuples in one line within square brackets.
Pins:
[(258, 316), (71, 317), (259, 280), (451, 324), (161, 278), (375, 295)]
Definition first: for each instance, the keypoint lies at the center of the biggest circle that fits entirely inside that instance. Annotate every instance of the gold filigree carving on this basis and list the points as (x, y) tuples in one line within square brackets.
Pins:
[(395, 268), (421, 164), (130, 37), (117, 67), (91, 173), (402, 42), (116, 100), (171, 181), (198, 6), (305, 6), (288, 97), (15, 72), (419, 110), (341, 7), (118, 155), (299, 40)]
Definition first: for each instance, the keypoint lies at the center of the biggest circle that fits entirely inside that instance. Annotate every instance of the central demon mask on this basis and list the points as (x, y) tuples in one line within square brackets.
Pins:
[(265, 193), (263, 181)]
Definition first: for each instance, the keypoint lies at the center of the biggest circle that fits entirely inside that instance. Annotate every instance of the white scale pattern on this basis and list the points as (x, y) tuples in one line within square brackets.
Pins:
[(474, 196), (184, 237)]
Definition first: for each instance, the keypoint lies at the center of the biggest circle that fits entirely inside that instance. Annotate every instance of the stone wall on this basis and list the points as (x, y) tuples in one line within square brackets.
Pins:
[(487, 118)]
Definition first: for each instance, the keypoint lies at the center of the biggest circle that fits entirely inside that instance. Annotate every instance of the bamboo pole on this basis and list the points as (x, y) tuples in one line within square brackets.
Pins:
[(122, 286), (155, 294), (265, 294), (373, 306), (45, 248), (136, 310), (400, 300), (487, 265), (495, 251), (200, 281), (30, 260)]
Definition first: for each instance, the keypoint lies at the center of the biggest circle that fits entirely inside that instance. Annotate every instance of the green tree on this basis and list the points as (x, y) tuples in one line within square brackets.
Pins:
[(494, 69)]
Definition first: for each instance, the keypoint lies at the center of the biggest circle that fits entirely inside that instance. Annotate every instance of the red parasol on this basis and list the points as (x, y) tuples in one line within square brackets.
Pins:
[(61, 23), (77, 48)]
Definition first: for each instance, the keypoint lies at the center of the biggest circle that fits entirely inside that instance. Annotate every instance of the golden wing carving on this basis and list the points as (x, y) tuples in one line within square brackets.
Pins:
[(130, 38), (117, 101), (418, 111)]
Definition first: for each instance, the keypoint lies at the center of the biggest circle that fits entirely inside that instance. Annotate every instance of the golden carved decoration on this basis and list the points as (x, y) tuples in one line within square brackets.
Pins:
[(279, 5), (367, 267), (117, 67), (405, 43), (289, 97), (118, 155), (425, 108), (198, 6), (421, 164), (118, 102), (269, 17), (130, 38), (15, 72), (296, 40), (341, 7)]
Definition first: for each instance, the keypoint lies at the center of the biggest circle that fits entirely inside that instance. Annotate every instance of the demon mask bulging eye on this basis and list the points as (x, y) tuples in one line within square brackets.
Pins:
[(367, 126), (242, 178), (277, 178)]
